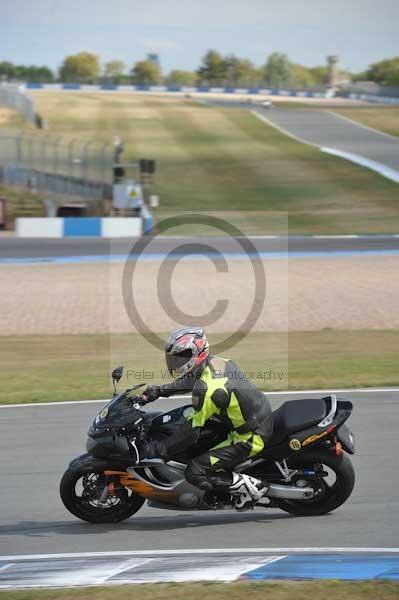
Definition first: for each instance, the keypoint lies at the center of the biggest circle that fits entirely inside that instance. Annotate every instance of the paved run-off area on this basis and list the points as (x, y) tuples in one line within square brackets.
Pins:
[(359, 292)]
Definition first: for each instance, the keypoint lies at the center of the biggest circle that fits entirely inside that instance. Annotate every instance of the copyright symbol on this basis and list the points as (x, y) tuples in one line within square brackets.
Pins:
[(170, 261)]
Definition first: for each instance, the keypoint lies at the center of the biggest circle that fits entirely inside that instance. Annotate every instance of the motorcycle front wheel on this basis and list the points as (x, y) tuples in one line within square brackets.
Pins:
[(81, 493)]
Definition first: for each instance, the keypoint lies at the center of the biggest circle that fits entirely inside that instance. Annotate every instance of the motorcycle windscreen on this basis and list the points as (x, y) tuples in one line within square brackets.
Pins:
[(117, 413)]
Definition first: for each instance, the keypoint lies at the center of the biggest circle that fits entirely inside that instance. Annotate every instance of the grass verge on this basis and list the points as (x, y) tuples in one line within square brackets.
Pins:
[(361, 590), (382, 118), (77, 367)]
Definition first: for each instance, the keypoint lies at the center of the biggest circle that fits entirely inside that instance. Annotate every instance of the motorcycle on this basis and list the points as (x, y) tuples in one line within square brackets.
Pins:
[(305, 465)]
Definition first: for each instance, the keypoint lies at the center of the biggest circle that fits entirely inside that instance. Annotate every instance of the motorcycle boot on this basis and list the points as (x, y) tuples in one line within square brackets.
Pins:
[(247, 491)]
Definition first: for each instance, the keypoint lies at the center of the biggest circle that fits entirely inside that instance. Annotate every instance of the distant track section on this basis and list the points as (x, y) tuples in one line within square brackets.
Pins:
[(329, 130), (29, 248)]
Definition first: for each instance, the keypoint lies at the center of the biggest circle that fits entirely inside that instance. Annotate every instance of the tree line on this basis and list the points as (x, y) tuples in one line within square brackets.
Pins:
[(11, 72), (214, 70)]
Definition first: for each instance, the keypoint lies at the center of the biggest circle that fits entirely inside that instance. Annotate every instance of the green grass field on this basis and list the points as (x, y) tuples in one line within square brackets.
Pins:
[(262, 590), (77, 367), (215, 159), (382, 118)]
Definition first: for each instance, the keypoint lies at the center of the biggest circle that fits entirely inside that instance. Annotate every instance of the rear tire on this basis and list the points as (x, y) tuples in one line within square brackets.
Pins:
[(333, 496), (84, 506)]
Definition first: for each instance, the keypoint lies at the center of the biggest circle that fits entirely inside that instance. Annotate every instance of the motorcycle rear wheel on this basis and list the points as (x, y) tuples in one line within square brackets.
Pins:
[(333, 496), (86, 506)]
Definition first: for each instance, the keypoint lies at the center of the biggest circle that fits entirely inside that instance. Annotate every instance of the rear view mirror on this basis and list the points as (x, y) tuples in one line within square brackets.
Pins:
[(117, 373), (116, 376)]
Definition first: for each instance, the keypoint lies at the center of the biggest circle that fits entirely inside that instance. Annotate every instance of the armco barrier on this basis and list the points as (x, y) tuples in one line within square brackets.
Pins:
[(58, 227), (206, 89), (202, 89), (374, 98)]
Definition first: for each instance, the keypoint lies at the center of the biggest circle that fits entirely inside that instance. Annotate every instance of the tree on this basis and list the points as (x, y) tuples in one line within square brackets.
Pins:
[(212, 69), (302, 76), (319, 74), (240, 71), (362, 76), (81, 67), (178, 77), (146, 72), (278, 70), (385, 72), (7, 70), (32, 73), (114, 69)]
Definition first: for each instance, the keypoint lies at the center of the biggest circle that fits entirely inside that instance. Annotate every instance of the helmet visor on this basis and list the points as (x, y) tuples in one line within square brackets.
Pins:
[(175, 361)]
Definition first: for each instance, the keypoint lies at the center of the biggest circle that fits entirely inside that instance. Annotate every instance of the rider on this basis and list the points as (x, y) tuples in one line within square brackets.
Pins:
[(218, 387)]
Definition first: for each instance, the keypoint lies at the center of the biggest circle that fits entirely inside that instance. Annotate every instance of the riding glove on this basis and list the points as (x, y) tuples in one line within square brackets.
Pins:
[(152, 392)]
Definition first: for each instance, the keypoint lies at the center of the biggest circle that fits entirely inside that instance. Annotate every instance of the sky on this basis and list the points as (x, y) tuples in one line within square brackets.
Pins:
[(43, 32)]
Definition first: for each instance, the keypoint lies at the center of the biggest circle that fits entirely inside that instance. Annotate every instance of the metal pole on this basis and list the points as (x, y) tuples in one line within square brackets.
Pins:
[(70, 160), (85, 161), (30, 144), (43, 152), (104, 160), (18, 143), (70, 154), (56, 155)]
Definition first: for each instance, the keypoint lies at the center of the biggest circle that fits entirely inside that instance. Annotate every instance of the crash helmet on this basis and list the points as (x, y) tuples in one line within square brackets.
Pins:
[(186, 350)]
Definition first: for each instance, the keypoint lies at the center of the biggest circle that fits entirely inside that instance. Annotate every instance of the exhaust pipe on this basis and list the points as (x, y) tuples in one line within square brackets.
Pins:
[(290, 492)]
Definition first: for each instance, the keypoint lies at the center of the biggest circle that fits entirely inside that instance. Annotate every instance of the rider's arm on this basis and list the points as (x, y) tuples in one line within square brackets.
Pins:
[(185, 436), (178, 386)]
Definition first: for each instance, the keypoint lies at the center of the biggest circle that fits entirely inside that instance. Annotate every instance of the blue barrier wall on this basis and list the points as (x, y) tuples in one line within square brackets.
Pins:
[(108, 227), (34, 86), (82, 227), (175, 88), (71, 86), (205, 89)]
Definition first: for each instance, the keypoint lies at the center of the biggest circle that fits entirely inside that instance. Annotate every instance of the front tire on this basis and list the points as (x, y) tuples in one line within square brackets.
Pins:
[(86, 505), (333, 495)]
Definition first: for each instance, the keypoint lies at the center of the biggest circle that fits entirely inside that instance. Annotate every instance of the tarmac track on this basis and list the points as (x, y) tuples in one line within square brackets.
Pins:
[(28, 248), (325, 128), (329, 129), (37, 442)]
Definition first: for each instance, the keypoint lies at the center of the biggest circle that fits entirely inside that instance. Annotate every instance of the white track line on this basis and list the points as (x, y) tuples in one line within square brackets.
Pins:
[(367, 163), (185, 397), (7, 566), (348, 236), (240, 551)]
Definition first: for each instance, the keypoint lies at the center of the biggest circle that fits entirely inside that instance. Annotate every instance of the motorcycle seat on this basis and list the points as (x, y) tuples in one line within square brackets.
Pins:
[(296, 415)]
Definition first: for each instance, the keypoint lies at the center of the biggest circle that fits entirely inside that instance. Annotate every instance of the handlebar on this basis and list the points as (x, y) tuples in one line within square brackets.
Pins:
[(139, 400)]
